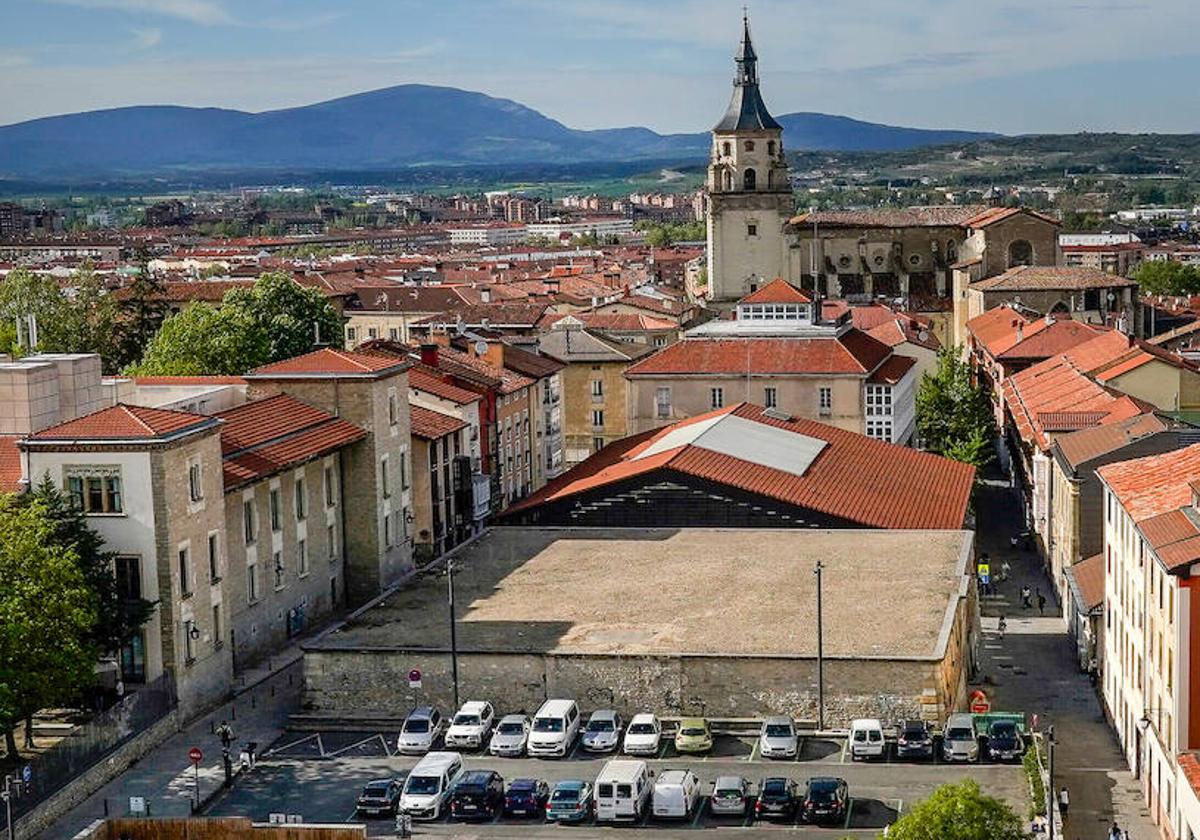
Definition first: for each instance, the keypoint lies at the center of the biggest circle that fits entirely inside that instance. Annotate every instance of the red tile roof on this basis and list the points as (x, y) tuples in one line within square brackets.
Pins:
[(421, 378), (853, 352), (189, 380), (1069, 421), (431, 425), (10, 464), (126, 422), (1189, 764), (999, 214), (612, 321), (330, 362), (854, 477), (1086, 444), (777, 291), (1065, 278), (1089, 577), (892, 371), (930, 216), (268, 436), (1043, 339), (1157, 484)]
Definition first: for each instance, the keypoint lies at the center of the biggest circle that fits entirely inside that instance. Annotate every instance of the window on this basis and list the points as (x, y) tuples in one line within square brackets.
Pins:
[(216, 625), (662, 402), (189, 643), (404, 470), (248, 523), (404, 517), (597, 387), (825, 401), (373, 332), (214, 559), (95, 490), (331, 540), (195, 483), (771, 148), (769, 398), (276, 524), (752, 230), (1020, 252), (393, 334), (279, 569), (185, 577), (597, 418), (301, 501), (749, 147), (879, 400), (726, 149), (133, 659), (749, 180), (879, 429), (351, 333), (302, 557), (384, 478), (330, 488), (128, 572), (251, 582), (597, 444), (387, 531), (393, 410), (717, 397)]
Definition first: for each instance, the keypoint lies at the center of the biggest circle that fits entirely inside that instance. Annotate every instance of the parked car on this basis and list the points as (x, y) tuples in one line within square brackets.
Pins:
[(825, 800), (622, 790), (776, 799), (731, 796), (554, 729), (676, 794), (510, 737), (914, 740), (379, 796), (603, 731), (643, 735), (471, 725), (420, 731), (778, 738), (866, 738), (1004, 742), (526, 797), (478, 794), (570, 801), (693, 736), (960, 742), (429, 783)]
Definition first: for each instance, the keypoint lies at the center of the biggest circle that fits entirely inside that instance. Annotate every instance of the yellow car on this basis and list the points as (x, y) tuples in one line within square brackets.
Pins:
[(694, 736)]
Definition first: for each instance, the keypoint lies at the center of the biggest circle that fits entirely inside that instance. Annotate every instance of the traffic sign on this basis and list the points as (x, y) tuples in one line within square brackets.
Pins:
[(985, 574), (195, 755), (414, 678), (980, 704), (27, 774)]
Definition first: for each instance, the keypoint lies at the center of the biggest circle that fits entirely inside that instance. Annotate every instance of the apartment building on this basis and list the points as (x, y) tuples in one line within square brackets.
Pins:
[(441, 482)]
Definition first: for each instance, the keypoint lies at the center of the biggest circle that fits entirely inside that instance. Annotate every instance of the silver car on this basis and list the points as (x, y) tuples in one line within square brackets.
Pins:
[(421, 729), (603, 731), (510, 736), (777, 738), (731, 796)]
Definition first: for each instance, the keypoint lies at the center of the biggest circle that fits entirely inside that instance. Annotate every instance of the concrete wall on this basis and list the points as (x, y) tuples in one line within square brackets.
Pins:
[(215, 828)]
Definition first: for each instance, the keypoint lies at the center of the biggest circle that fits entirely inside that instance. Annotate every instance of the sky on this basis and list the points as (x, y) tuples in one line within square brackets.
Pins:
[(1014, 66)]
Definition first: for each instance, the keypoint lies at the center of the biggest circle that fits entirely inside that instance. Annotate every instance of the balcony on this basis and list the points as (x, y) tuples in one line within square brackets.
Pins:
[(481, 495)]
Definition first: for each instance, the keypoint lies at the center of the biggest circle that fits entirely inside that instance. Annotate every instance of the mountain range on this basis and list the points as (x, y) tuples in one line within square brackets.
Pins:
[(396, 127)]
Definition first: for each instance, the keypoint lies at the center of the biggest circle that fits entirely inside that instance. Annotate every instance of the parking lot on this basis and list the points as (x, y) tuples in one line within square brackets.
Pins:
[(319, 775)]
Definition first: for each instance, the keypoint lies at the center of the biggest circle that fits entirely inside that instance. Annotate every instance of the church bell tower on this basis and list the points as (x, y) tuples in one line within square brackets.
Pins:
[(750, 197)]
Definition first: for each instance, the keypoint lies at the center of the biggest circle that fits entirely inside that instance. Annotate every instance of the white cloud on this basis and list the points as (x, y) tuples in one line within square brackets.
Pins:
[(144, 39), (208, 12)]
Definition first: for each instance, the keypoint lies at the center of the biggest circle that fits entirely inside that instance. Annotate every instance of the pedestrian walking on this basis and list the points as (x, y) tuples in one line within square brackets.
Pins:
[(1064, 801), (1114, 833), (1026, 597), (1003, 626), (1005, 567), (1041, 599)]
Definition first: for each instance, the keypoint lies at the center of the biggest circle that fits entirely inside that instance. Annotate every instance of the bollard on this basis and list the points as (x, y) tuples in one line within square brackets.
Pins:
[(233, 711)]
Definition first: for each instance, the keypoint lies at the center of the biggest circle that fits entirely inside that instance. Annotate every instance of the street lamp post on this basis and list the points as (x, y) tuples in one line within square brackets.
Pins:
[(1051, 805), (7, 795), (453, 629), (820, 654)]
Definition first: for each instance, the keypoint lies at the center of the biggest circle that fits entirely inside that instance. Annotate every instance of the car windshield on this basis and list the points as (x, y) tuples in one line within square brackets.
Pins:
[(779, 730), (641, 729), (522, 786), (960, 733), (1003, 730), (416, 726), (774, 787), (822, 792), (466, 720), (727, 793), (375, 789), (422, 785), (568, 795), (512, 728), (914, 731), (548, 725), (692, 730), (600, 726)]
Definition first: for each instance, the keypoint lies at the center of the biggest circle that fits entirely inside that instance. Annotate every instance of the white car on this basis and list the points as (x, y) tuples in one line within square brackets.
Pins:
[(471, 725), (777, 738), (420, 731), (643, 735), (510, 736), (676, 794)]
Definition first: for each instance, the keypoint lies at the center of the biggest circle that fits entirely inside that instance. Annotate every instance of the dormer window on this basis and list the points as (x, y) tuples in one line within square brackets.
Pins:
[(773, 312)]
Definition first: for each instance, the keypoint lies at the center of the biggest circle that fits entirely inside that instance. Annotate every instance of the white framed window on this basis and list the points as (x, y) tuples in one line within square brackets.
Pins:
[(597, 444), (879, 429), (276, 519), (662, 402), (195, 482), (717, 397), (249, 523), (597, 387), (770, 398), (825, 400), (879, 400), (95, 490), (351, 333), (597, 420), (301, 499), (302, 557)]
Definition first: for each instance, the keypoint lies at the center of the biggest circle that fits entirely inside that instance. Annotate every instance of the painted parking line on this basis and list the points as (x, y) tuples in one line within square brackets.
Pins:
[(849, 813), (845, 750), (699, 811), (753, 750), (352, 746), (574, 749)]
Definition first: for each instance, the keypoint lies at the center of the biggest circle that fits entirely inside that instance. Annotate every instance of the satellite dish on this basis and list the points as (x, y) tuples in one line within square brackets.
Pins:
[(480, 348), (923, 335)]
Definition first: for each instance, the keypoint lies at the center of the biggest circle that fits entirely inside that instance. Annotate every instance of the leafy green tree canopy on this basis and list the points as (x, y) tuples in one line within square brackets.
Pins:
[(954, 415), (959, 812), (83, 320), (291, 315), (204, 339), (1166, 277)]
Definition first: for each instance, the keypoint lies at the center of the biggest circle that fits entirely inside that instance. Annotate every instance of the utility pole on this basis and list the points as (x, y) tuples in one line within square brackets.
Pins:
[(8, 820), (453, 630), (820, 654), (1052, 797)]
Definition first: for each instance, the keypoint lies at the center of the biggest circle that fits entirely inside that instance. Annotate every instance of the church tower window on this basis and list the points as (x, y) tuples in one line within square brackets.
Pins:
[(749, 180)]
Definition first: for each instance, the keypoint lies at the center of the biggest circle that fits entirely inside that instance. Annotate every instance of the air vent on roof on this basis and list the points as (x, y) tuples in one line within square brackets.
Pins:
[(776, 414)]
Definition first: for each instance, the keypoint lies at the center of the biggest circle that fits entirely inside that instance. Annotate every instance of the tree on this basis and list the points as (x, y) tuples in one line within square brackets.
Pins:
[(954, 416), (289, 314), (24, 294), (47, 617), (81, 321), (91, 322), (204, 339), (117, 618), (959, 812), (143, 312), (1167, 277)]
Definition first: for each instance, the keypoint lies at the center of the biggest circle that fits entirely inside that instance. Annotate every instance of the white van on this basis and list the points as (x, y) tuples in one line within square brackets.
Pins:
[(428, 785), (676, 794), (866, 738), (622, 790), (554, 729)]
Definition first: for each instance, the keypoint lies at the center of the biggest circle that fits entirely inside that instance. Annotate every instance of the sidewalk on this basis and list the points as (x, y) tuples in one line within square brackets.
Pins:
[(1034, 670), (264, 697)]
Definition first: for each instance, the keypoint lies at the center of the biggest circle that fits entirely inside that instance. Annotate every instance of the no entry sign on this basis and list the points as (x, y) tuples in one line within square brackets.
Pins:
[(414, 678), (195, 755)]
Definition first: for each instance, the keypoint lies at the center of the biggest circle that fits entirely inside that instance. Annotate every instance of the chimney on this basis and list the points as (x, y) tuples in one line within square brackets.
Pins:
[(485, 294), (1020, 330), (429, 355)]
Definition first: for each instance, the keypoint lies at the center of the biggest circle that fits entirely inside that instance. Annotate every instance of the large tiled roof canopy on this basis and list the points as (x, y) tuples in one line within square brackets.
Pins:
[(126, 422), (852, 352), (328, 362)]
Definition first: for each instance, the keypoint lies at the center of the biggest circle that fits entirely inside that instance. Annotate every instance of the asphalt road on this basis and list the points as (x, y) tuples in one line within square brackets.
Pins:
[(319, 776)]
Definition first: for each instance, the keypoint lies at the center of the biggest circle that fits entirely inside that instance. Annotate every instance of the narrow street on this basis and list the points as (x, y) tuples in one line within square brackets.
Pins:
[(1034, 669)]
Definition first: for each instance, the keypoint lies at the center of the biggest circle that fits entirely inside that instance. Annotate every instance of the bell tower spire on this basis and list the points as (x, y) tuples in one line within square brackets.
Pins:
[(746, 59)]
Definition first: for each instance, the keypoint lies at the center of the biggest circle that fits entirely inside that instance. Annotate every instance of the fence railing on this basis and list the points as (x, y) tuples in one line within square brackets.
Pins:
[(90, 742)]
